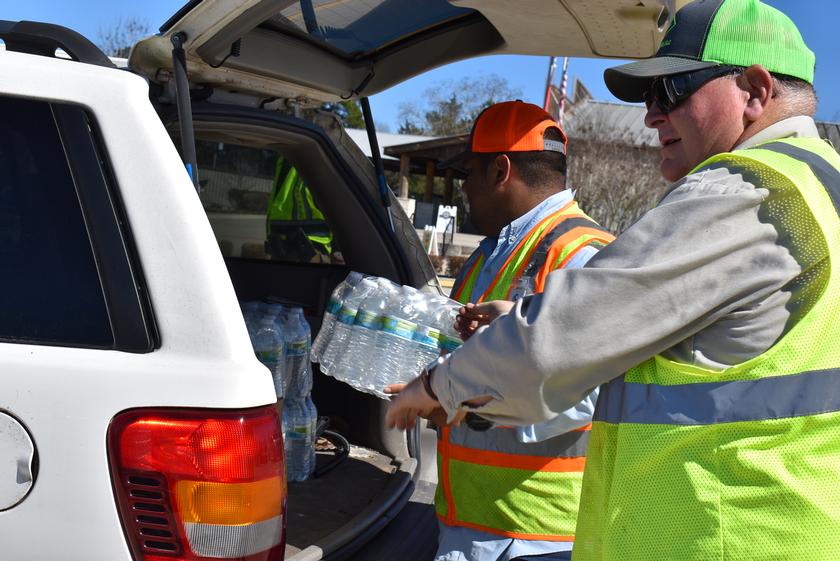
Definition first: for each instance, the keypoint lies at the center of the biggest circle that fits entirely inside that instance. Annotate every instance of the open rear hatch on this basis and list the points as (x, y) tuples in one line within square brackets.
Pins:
[(316, 51)]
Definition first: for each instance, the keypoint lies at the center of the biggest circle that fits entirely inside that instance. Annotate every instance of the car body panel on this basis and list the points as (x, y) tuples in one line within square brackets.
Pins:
[(66, 397)]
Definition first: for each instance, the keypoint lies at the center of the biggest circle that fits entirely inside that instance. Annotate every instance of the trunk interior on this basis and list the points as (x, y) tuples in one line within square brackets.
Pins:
[(364, 474), (352, 485)]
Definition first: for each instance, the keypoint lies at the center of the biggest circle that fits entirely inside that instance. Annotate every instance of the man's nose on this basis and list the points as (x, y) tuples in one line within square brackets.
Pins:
[(654, 116)]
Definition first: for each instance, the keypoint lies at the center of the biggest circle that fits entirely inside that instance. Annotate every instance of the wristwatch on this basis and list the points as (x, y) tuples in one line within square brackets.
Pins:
[(473, 421), (426, 379)]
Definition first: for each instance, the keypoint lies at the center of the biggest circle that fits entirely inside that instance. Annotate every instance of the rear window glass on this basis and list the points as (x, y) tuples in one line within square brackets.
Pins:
[(49, 284), (260, 207), (361, 27)]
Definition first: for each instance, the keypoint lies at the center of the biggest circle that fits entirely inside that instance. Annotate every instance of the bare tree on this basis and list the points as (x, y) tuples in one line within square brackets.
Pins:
[(616, 176), (117, 39)]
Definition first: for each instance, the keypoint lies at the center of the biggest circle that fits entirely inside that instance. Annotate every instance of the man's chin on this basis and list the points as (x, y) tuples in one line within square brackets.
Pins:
[(673, 170)]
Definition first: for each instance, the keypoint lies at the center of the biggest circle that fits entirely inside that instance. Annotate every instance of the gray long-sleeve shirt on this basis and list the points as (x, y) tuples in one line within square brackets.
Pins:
[(698, 279)]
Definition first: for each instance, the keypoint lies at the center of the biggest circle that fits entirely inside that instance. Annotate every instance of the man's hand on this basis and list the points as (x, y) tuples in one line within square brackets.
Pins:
[(472, 316), (438, 416), (411, 401)]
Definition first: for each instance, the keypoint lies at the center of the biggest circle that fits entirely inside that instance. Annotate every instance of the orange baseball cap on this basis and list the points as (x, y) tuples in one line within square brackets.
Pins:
[(511, 126)]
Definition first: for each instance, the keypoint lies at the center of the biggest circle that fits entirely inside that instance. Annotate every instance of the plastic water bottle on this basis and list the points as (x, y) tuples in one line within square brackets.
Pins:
[(297, 434), (426, 337), (250, 313), (268, 346), (395, 341), (296, 354), (333, 306), (444, 316), (312, 416), (358, 369), (343, 325)]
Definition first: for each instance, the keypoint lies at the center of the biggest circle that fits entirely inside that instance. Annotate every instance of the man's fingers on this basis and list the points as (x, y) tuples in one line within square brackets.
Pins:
[(459, 418), (394, 389), (405, 421)]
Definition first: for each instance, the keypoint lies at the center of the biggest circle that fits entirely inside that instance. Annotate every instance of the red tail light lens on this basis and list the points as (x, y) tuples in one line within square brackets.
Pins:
[(200, 484)]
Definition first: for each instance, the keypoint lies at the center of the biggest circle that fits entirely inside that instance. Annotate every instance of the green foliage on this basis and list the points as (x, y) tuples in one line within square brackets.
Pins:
[(450, 107), (349, 111)]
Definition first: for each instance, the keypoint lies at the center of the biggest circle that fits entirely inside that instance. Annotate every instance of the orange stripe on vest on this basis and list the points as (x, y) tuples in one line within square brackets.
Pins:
[(515, 461)]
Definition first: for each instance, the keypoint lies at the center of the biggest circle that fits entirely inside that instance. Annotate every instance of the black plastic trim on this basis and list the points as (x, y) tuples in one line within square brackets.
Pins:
[(44, 38), (125, 296), (184, 10), (366, 535)]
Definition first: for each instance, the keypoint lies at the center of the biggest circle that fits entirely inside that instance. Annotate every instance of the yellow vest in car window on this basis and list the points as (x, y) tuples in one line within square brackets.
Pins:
[(292, 202), (742, 464), (489, 480)]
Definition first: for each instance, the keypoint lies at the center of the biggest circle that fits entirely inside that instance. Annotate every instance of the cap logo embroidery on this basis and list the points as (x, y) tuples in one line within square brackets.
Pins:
[(665, 40)]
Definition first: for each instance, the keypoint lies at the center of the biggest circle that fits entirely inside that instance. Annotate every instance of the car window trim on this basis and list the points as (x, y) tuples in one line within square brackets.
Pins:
[(122, 283)]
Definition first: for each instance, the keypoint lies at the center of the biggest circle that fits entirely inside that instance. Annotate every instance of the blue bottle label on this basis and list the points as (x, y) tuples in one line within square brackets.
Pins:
[(367, 319), (449, 344), (298, 432), (346, 315), (269, 358), (296, 348), (333, 306), (427, 336), (399, 327)]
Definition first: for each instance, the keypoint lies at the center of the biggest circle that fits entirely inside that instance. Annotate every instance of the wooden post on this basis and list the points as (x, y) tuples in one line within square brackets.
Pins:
[(405, 171), (447, 186), (430, 180)]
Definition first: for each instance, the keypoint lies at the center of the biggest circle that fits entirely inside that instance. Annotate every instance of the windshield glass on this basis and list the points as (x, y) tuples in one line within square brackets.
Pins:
[(360, 27)]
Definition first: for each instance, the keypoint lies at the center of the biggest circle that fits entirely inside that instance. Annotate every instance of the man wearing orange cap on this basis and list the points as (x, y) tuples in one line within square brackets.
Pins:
[(712, 322), (504, 492)]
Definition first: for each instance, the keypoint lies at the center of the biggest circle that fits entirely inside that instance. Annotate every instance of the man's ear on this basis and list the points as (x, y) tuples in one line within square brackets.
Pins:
[(757, 83), (501, 169)]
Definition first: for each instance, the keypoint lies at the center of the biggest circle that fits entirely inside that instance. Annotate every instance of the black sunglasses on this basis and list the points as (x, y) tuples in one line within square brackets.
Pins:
[(669, 91)]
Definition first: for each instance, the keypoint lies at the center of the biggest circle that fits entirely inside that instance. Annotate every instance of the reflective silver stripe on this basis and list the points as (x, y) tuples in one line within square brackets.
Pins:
[(568, 445), (233, 541), (825, 172), (709, 403)]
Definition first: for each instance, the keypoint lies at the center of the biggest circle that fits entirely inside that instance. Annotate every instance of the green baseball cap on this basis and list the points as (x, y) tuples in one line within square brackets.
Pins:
[(707, 33)]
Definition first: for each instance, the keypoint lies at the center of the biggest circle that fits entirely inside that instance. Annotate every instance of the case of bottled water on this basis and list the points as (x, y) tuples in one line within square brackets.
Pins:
[(281, 339), (383, 333)]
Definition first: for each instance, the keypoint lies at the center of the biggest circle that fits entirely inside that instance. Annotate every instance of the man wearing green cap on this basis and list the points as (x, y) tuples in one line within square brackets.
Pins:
[(712, 322)]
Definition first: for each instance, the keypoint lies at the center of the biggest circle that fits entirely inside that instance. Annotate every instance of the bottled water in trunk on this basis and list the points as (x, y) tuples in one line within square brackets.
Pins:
[(333, 306), (343, 325)]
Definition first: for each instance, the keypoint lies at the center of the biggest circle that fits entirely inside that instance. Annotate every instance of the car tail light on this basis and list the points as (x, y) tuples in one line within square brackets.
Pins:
[(200, 484)]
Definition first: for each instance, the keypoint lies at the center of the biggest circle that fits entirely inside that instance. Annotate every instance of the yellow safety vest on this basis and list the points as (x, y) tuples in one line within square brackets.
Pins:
[(292, 203), (741, 464), (490, 480)]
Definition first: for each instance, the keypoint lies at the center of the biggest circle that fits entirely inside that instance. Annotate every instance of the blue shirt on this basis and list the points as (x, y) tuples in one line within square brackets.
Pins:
[(456, 543), (497, 250)]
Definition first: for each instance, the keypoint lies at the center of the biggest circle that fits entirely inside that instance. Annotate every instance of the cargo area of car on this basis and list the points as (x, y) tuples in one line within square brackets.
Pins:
[(364, 474)]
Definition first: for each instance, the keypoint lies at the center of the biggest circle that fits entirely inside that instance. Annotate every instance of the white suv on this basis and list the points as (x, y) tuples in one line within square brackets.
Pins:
[(135, 421)]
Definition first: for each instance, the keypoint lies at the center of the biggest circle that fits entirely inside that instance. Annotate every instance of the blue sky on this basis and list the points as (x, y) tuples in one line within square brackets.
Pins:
[(815, 18)]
